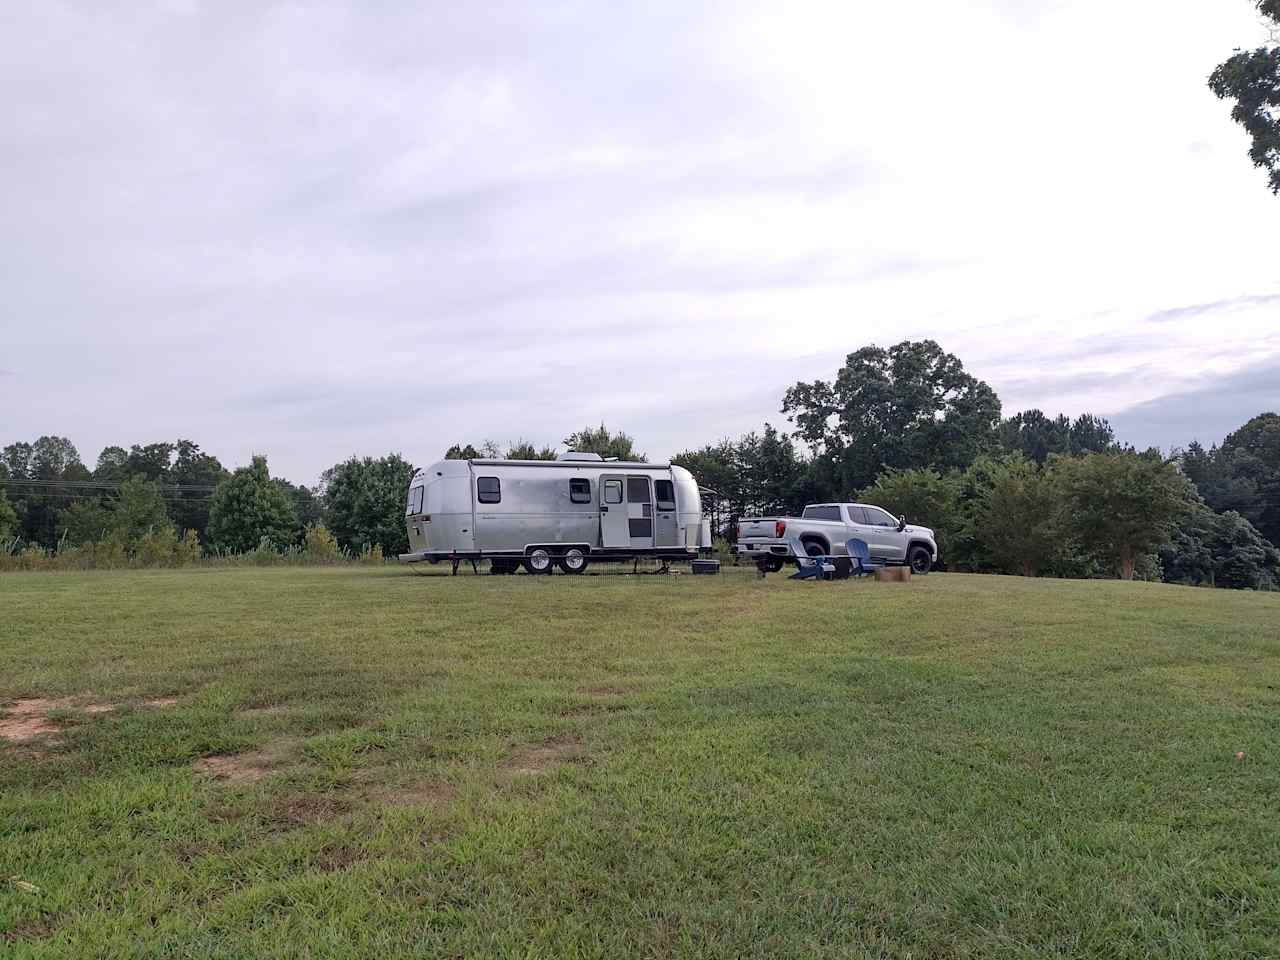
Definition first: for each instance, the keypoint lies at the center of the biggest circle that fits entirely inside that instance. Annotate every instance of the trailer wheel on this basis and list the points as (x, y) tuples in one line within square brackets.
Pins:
[(573, 561), (771, 563), (538, 560)]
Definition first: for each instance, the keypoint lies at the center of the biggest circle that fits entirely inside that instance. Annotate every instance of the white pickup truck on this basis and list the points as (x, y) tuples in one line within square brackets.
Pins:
[(824, 529)]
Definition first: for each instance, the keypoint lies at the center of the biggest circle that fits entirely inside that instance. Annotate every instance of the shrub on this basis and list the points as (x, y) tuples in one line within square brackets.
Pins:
[(371, 554), (156, 549), (320, 545), (187, 550)]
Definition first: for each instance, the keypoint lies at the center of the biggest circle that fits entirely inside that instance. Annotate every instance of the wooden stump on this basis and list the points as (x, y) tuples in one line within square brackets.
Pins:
[(893, 574)]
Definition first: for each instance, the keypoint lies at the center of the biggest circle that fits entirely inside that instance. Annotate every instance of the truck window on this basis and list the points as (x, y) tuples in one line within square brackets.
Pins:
[(879, 518), (488, 490), (613, 491), (665, 493), (415, 500), (822, 513), (579, 491), (856, 514)]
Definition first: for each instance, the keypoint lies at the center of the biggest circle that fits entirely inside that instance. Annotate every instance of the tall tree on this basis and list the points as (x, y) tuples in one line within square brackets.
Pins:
[(364, 502), (248, 508), (912, 405), (1122, 505), (609, 445), (1252, 79), (192, 468), (137, 510)]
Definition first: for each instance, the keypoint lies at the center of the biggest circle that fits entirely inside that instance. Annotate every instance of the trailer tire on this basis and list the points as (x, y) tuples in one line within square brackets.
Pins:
[(574, 561), (538, 560), (771, 564), (920, 560)]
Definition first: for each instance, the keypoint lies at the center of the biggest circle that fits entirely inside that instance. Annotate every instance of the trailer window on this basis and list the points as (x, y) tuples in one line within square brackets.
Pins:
[(613, 491), (637, 489), (488, 490), (415, 500), (579, 491), (665, 493)]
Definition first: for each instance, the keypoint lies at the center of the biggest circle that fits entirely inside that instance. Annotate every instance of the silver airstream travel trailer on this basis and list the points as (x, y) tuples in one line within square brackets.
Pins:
[(543, 513)]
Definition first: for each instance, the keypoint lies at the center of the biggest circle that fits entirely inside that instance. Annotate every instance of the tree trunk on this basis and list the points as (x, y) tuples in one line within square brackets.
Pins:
[(1126, 563)]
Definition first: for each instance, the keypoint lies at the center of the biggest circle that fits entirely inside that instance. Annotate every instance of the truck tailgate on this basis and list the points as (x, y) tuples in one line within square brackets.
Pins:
[(757, 527)]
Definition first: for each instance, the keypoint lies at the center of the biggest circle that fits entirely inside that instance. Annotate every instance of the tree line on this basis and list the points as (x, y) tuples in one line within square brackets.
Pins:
[(906, 427)]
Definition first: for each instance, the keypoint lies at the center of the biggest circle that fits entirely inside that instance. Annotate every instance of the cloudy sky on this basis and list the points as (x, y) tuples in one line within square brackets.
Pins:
[(318, 229)]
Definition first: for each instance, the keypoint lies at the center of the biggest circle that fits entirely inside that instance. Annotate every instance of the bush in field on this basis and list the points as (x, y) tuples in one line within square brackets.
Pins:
[(187, 550), (320, 545), (157, 548), (248, 509)]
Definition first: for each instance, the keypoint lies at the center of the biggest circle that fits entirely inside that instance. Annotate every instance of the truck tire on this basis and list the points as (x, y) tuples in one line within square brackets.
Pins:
[(538, 560), (814, 549), (920, 560), (573, 561)]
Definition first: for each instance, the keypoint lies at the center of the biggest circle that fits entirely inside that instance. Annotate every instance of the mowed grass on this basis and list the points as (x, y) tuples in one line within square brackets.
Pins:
[(621, 766)]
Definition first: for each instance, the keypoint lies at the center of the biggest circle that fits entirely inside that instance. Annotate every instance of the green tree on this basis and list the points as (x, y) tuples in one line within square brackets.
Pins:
[(715, 467), (364, 502), (249, 507), (1252, 79), (139, 509), (8, 520), (112, 464), (191, 467), (86, 521), (1037, 437), (460, 452), (910, 406), (1122, 506), (1018, 517), (609, 445), (524, 450), (926, 497), (1219, 550)]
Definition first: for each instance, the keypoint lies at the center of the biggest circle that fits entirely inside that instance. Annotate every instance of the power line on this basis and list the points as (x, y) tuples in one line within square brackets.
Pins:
[(104, 485)]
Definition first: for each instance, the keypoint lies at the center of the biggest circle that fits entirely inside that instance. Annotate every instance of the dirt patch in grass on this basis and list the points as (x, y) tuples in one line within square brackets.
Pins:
[(249, 767), (424, 793), (36, 929), (29, 718), (307, 809), (339, 858), (543, 757)]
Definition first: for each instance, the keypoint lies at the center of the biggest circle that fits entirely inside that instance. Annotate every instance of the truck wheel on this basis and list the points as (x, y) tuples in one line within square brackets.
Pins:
[(573, 561), (538, 560), (814, 549), (920, 559)]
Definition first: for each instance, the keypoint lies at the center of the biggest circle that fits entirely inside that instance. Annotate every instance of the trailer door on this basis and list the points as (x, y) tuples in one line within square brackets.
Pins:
[(613, 513), (640, 512)]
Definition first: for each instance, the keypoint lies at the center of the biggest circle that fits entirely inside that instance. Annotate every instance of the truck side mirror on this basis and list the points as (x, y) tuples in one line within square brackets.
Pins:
[(902, 522)]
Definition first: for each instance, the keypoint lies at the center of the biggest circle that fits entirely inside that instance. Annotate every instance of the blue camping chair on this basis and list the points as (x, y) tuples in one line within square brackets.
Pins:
[(811, 568), (860, 554)]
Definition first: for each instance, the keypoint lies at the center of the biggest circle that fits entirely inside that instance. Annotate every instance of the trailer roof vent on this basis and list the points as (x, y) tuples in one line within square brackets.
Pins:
[(579, 455)]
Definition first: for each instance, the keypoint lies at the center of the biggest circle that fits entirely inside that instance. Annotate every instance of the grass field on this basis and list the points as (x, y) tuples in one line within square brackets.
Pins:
[(362, 762)]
